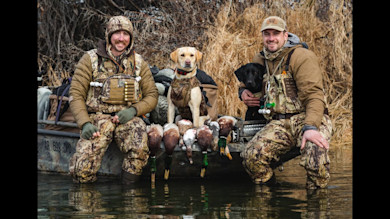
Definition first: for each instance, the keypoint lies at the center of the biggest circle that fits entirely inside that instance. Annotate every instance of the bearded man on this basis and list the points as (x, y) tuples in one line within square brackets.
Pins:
[(298, 117), (111, 88)]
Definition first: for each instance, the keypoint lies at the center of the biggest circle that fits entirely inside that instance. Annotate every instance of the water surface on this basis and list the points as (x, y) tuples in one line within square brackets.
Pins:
[(59, 197)]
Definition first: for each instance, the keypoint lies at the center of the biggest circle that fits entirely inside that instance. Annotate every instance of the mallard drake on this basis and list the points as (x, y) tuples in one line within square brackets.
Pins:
[(171, 139), (205, 139)]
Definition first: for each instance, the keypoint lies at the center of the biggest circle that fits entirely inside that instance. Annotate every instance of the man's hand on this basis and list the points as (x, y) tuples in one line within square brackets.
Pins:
[(249, 99), (124, 116), (89, 131), (315, 137), (115, 119)]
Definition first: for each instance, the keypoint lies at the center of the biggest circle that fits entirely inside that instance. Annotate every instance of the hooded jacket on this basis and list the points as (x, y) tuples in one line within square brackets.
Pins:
[(306, 72), (109, 65)]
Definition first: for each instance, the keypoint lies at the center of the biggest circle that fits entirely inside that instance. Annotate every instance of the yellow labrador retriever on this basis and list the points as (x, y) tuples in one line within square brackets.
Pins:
[(184, 92)]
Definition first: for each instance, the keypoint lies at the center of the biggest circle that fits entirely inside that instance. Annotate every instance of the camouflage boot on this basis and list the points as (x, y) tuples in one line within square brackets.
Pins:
[(128, 178)]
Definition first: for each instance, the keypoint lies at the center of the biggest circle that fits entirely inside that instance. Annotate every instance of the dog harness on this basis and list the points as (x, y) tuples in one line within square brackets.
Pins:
[(181, 96)]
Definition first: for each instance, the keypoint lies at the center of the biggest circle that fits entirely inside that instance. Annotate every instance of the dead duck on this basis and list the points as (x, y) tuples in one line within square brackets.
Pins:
[(189, 139), (226, 124), (184, 125), (205, 139), (171, 139), (214, 127), (155, 135)]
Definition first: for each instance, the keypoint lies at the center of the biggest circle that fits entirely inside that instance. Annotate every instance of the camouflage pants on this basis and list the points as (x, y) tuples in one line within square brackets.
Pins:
[(280, 136), (130, 137)]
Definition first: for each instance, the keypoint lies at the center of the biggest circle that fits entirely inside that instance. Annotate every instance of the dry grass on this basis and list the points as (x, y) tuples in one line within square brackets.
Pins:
[(235, 38), (52, 77)]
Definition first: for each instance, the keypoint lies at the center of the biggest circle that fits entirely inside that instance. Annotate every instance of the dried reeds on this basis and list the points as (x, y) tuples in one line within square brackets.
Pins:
[(235, 38)]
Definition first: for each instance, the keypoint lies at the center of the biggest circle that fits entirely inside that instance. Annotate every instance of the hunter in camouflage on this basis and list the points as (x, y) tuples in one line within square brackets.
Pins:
[(111, 88), (293, 92)]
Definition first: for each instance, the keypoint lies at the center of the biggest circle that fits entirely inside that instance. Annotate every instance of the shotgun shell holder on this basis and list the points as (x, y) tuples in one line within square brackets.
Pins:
[(121, 89)]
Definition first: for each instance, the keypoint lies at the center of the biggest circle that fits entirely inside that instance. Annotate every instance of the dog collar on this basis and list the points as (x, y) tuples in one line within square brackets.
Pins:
[(182, 72)]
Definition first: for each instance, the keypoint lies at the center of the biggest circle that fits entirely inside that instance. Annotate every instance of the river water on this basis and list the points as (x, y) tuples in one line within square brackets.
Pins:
[(59, 197)]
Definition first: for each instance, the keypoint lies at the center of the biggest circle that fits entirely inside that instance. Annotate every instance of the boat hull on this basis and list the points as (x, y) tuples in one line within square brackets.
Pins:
[(55, 148)]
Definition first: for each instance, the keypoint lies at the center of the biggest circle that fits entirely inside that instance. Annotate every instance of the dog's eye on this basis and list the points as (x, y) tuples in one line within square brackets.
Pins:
[(182, 55), (192, 55)]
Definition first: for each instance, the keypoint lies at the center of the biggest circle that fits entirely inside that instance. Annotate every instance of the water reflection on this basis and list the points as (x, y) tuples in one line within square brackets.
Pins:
[(58, 196)]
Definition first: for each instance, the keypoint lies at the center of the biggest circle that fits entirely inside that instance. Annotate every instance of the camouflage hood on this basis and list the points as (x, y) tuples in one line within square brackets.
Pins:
[(119, 23)]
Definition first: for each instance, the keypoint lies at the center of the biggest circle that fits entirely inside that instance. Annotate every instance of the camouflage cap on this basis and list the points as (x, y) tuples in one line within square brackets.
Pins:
[(119, 23), (274, 22)]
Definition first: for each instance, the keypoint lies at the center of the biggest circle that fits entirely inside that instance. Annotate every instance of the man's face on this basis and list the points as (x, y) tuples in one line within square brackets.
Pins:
[(119, 40), (274, 39)]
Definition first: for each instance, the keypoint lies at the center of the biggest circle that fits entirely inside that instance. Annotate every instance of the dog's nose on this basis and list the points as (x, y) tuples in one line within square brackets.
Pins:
[(188, 62)]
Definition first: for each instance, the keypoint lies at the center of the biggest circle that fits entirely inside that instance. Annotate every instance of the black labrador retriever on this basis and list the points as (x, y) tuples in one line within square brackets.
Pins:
[(251, 75)]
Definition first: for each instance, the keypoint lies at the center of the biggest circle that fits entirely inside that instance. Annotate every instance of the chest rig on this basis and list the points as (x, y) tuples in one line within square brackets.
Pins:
[(111, 89), (181, 95), (281, 93)]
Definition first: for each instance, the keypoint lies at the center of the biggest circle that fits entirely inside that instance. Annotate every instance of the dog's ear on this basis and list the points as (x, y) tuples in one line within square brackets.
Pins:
[(198, 55), (173, 55), (240, 73)]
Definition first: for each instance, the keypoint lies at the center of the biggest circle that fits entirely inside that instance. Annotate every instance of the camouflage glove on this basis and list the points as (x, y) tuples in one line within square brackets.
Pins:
[(88, 130), (126, 115)]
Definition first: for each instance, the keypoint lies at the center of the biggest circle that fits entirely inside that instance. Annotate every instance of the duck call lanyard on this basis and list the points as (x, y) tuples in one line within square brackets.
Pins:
[(120, 67), (266, 102)]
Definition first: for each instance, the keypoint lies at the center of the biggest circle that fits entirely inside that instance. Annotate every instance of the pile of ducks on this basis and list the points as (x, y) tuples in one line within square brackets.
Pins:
[(212, 135)]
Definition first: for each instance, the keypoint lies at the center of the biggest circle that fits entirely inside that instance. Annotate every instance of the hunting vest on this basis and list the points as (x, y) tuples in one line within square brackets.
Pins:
[(280, 88), (181, 96), (109, 91)]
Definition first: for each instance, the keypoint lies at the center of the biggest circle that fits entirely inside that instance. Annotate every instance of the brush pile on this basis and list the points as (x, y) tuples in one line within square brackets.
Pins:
[(226, 31), (66, 29)]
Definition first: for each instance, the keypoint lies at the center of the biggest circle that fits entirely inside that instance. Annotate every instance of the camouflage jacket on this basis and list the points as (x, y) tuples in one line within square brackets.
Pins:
[(99, 67), (300, 88)]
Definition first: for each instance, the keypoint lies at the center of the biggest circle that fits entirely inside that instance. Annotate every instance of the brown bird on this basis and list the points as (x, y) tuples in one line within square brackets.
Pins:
[(171, 139), (226, 124), (155, 135), (205, 139)]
